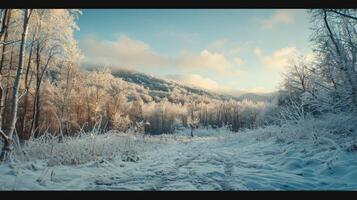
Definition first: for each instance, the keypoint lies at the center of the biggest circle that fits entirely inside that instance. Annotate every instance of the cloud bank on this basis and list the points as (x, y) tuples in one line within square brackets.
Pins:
[(278, 60), (125, 52), (195, 80), (279, 17)]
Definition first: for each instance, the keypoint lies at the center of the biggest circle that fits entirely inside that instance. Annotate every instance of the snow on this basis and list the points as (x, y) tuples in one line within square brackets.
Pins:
[(270, 158)]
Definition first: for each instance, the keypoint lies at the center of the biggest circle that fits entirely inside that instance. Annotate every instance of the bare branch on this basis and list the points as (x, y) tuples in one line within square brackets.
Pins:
[(4, 136), (23, 94), (9, 42), (342, 14)]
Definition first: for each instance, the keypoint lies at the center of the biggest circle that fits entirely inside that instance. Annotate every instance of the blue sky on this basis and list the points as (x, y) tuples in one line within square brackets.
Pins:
[(230, 50)]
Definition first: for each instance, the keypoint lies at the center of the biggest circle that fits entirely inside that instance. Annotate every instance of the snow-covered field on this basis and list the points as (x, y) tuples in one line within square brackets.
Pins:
[(270, 158)]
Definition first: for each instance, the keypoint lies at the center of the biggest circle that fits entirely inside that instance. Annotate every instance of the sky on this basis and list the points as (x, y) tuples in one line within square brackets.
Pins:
[(227, 50)]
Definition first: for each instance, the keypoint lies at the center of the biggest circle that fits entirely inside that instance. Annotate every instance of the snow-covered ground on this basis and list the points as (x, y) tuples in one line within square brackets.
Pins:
[(261, 159)]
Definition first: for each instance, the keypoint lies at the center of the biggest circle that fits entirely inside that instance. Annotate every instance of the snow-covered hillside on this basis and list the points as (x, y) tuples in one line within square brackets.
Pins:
[(165, 86), (158, 88)]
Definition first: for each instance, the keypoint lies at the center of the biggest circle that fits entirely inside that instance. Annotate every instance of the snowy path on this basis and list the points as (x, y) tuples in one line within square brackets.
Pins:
[(202, 163)]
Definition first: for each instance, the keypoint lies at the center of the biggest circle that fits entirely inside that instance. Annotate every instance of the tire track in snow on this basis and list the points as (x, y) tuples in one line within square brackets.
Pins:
[(219, 165)]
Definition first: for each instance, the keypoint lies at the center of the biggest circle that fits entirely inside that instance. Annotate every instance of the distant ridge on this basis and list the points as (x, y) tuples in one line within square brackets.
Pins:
[(159, 87)]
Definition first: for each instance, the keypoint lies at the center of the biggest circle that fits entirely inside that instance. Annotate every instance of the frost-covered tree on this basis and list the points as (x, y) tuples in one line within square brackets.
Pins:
[(192, 115), (162, 117), (335, 41), (7, 148), (54, 42)]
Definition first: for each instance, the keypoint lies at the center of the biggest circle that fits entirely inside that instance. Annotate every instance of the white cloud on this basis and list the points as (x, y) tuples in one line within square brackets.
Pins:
[(279, 17), (199, 81), (205, 59), (195, 80), (278, 60), (130, 53), (123, 52), (258, 90), (237, 92), (211, 85)]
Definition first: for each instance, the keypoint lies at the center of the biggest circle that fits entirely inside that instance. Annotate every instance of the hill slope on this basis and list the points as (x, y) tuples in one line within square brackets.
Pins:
[(157, 88), (166, 86)]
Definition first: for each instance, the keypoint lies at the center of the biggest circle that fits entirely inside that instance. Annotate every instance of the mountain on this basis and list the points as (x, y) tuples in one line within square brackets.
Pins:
[(164, 86), (156, 88)]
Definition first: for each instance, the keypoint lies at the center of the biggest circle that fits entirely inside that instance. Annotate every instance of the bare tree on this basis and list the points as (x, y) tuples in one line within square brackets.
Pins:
[(193, 119), (6, 151), (5, 18), (335, 74), (40, 72), (296, 77)]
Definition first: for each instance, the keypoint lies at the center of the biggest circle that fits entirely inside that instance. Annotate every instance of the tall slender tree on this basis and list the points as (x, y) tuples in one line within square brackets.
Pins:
[(6, 151)]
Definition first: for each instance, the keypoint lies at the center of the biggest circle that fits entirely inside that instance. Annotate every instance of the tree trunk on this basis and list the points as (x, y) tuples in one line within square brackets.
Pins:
[(26, 100), (34, 124), (6, 94), (7, 149), (2, 106), (64, 107), (3, 37), (24, 114), (34, 112), (39, 76), (37, 113)]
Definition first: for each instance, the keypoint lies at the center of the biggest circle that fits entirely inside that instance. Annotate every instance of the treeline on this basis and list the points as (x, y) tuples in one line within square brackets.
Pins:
[(165, 116)]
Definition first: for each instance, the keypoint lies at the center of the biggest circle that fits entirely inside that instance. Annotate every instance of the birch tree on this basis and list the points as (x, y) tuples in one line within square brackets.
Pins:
[(6, 151)]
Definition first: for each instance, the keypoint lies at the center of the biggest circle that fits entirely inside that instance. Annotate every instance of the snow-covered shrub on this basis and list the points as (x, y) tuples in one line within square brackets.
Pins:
[(85, 147), (268, 115), (146, 98), (236, 114), (120, 122), (162, 117), (293, 111)]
